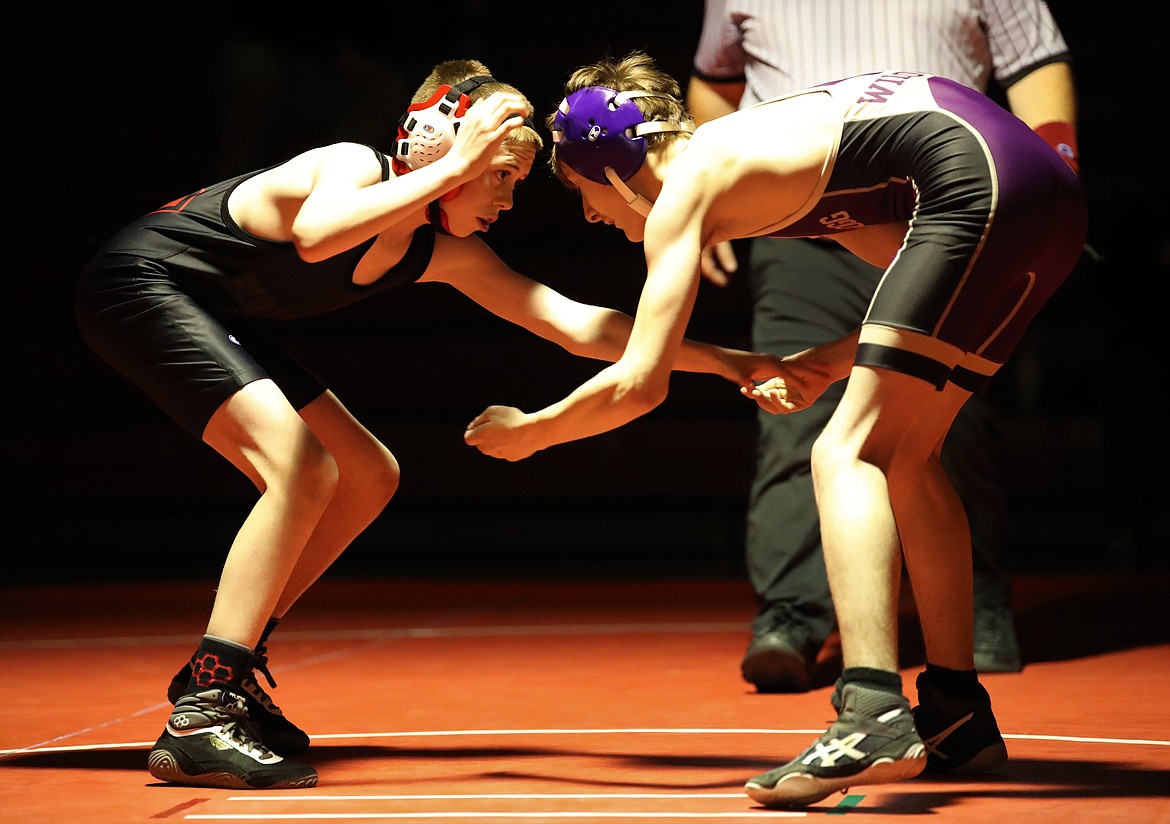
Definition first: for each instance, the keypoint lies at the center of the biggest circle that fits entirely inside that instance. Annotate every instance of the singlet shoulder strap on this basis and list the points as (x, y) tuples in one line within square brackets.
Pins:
[(383, 161)]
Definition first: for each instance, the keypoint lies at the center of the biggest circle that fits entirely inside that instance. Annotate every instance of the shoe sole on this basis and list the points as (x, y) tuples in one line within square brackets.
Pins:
[(167, 766), (800, 789)]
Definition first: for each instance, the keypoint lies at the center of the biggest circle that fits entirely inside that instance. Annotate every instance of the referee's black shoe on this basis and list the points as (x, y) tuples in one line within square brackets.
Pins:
[(779, 659)]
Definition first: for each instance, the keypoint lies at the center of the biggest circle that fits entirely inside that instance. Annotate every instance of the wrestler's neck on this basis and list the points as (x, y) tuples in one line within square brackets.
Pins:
[(648, 180)]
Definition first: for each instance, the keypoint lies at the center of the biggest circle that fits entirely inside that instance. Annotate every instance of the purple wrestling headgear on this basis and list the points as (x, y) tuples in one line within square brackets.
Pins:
[(600, 133)]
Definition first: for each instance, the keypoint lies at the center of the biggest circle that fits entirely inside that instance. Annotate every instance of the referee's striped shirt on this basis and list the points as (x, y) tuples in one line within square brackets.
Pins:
[(779, 46)]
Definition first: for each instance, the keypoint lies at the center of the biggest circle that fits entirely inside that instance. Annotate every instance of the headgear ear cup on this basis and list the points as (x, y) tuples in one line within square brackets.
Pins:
[(600, 133), (426, 131)]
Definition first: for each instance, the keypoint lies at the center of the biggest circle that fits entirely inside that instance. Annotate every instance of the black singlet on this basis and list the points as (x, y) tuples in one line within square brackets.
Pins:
[(233, 272)]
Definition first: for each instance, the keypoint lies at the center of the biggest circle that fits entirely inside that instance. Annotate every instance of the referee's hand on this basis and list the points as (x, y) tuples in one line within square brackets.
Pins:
[(718, 263)]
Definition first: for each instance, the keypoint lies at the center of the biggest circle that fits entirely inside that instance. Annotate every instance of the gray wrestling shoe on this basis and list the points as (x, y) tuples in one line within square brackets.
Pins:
[(873, 741)]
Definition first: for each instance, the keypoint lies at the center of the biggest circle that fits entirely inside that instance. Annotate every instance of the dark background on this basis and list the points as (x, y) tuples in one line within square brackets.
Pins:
[(113, 111)]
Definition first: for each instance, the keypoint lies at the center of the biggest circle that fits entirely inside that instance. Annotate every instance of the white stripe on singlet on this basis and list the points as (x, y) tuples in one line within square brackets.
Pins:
[(779, 46)]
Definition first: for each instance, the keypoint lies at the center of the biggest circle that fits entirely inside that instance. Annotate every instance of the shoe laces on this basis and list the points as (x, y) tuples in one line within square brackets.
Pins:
[(230, 711), (252, 686), (239, 727), (260, 663)]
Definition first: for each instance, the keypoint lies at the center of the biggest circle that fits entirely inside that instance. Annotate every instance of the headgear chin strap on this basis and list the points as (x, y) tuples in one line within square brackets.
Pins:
[(426, 131), (600, 133)]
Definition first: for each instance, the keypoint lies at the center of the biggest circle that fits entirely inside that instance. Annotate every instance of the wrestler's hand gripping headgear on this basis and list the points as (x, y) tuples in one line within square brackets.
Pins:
[(600, 133), (426, 131)]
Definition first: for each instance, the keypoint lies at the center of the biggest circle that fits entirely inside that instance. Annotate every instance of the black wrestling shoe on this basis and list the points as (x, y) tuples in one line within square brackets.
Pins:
[(271, 726), (873, 741), (779, 660), (208, 742), (961, 735)]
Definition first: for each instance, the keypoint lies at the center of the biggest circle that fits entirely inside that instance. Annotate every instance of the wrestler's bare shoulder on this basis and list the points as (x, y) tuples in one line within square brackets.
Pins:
[(783, 136)]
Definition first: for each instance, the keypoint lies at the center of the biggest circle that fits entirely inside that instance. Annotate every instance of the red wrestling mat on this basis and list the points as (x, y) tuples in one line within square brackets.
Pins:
[(541, 701)]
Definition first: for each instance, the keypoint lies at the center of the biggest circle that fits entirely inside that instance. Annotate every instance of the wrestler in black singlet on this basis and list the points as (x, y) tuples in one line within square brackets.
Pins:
[(175, 302)]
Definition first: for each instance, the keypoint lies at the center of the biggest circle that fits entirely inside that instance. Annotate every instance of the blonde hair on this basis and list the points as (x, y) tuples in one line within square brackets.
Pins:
[(451, 72), (634, 72)]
